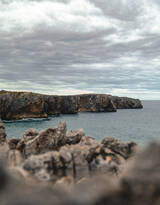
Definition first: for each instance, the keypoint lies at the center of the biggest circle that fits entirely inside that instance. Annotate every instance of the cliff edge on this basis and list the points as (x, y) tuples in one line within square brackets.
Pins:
[(20, 105)]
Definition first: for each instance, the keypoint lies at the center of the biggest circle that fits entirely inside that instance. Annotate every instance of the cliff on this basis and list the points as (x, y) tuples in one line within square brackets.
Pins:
[(19, 105)]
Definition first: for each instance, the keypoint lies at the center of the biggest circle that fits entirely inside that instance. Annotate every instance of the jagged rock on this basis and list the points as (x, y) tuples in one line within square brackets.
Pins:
[(27, 136), (137, 184), (2, 133), (123, 149), (86, 140), (74, 137), (50, 139)]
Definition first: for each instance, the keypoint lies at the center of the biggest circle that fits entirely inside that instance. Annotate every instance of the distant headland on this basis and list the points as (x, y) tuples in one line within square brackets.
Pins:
[(21, 105)]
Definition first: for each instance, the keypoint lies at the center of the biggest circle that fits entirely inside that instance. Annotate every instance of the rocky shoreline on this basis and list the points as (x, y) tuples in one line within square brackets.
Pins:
[(21, 105), (61, 167)]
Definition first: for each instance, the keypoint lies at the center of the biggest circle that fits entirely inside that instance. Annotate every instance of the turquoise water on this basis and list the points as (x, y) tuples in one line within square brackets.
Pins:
[(142, 125)]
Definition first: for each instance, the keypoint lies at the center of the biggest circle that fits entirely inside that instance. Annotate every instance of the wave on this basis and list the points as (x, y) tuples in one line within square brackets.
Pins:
[(28, 120)]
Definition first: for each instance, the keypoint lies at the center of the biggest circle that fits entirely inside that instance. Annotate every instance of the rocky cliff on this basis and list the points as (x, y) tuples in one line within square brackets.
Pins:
[(19, 105)]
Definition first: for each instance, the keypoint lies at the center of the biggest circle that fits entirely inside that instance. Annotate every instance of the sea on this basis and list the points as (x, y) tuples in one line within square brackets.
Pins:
[(139, 125)]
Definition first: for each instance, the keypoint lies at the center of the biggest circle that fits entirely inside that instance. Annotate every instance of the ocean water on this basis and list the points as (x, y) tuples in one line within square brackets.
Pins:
[(141, 125)]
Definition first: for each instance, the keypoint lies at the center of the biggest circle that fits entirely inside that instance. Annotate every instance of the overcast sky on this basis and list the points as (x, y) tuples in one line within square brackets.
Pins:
[(81, 46)]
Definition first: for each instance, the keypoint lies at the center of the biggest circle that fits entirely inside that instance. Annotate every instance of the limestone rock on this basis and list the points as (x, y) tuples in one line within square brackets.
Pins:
[(27, 136), (123, 149), (74, 137), (47, 140)]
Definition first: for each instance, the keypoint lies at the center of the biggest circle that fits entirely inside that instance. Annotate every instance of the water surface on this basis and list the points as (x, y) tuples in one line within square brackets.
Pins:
[(141, 125)]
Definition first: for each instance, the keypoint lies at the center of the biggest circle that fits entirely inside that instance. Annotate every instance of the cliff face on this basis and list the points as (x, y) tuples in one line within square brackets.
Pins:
[(95, 103), (19, 105), (126, 103)]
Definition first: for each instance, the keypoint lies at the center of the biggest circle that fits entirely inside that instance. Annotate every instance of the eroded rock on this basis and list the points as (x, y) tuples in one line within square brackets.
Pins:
[(123, 149), (47, 140), (74, 137)]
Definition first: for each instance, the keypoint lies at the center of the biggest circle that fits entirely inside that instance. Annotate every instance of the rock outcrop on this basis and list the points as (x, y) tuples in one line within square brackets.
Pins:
[(81, 172), (19, 105), (54, 153)]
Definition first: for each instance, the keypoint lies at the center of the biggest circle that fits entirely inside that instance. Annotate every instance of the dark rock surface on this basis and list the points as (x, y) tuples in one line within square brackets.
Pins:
[(19, 105)]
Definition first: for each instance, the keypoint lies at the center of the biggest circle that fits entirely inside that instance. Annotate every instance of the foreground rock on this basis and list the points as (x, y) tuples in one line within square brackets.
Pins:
[(20, 105), (47, 140), (54, 154), (78, 172)]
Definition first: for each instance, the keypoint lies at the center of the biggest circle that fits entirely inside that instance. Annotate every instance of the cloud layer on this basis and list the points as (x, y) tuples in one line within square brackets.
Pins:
[(72, 46)]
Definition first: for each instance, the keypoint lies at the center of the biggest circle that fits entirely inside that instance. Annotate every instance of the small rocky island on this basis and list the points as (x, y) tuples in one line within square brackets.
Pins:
[(60, 167), (20, 105)]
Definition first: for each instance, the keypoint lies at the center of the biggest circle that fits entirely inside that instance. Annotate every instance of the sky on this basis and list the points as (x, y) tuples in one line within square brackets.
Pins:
[(66, 47)]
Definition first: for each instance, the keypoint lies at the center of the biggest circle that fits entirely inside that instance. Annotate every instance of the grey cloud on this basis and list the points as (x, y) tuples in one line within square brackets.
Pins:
[(119, 9), (53, 58)]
